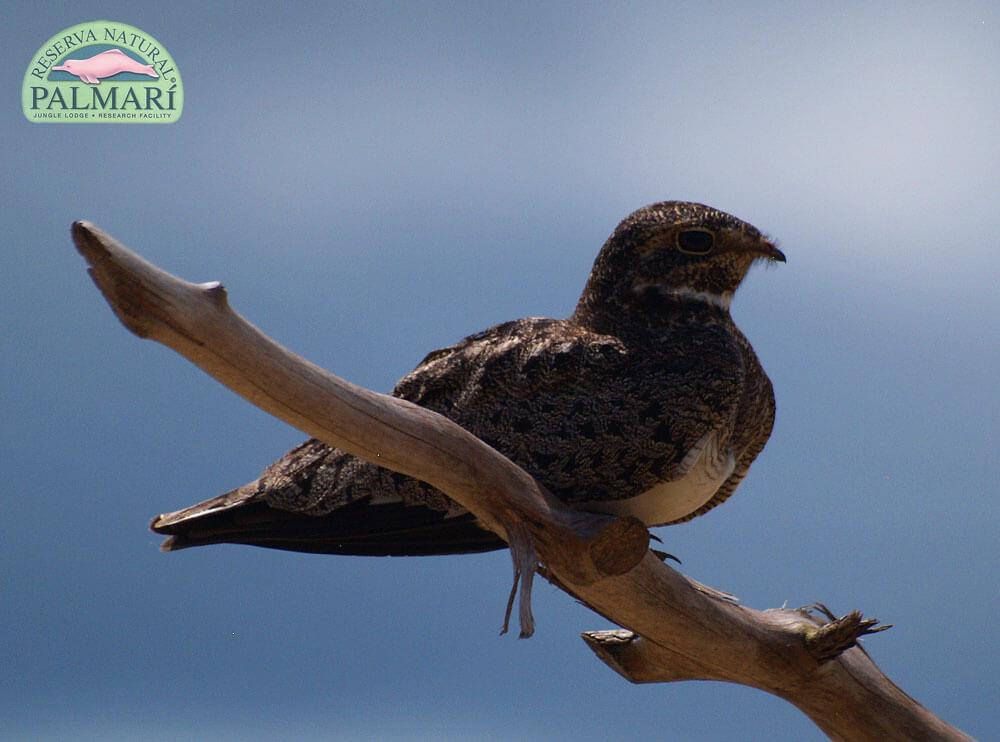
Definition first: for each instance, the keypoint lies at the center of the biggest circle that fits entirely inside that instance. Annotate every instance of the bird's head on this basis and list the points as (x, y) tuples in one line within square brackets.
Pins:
[(669, 252)]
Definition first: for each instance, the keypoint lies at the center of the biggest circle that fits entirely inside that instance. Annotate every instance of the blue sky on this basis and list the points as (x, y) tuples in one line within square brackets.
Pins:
[(372, 181)]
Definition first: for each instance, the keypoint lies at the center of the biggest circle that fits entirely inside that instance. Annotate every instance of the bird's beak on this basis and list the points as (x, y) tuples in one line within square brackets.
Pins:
[(769, 251)]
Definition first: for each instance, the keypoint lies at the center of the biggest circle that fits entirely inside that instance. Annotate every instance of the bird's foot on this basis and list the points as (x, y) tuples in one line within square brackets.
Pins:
[(664, 556), (661, 555)]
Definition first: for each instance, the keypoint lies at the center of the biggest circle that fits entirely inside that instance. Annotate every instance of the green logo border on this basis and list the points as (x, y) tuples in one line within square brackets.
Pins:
[(156, 101)]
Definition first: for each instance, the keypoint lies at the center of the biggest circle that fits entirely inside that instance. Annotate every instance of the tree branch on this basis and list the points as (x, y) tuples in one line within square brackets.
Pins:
[(682, 630)]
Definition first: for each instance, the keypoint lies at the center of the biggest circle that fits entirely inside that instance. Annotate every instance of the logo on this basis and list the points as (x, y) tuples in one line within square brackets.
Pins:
[(102, 72)]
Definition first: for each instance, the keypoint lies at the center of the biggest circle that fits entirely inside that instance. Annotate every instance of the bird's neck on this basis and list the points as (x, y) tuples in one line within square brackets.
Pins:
[(652, 308)]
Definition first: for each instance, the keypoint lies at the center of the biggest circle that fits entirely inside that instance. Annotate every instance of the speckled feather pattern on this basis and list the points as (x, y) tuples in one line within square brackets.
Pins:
[(602, 405)]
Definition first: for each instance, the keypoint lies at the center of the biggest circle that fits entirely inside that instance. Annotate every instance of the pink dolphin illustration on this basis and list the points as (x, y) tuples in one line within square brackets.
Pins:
[(105, 64)]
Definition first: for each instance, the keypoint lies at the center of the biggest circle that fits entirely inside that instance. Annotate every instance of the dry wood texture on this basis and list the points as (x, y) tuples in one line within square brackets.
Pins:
[(679, 630)]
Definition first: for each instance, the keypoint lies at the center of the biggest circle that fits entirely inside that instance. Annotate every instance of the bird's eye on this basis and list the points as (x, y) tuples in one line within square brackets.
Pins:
[(695, 241)]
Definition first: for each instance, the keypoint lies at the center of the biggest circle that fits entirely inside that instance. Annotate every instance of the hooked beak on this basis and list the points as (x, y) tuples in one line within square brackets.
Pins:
[(768, 250)]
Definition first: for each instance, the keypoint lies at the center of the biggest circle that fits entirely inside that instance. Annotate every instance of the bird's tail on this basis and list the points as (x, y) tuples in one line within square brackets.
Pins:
[(358, 528)]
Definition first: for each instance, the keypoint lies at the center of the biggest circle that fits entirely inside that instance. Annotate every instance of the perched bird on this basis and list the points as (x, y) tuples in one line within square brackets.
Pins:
[(646, 401)]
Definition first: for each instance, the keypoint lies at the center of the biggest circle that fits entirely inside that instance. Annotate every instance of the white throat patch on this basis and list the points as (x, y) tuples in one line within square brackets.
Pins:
[(722, 301)]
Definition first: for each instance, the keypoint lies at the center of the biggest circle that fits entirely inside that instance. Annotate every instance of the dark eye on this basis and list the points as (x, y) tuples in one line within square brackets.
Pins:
[(695, 241)]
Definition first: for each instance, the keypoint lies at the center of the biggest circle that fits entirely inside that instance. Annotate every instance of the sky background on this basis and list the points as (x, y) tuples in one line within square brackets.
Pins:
[(372, 181)]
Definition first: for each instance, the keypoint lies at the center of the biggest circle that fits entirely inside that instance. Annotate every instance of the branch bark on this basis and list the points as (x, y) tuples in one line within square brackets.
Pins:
[(678, 629)]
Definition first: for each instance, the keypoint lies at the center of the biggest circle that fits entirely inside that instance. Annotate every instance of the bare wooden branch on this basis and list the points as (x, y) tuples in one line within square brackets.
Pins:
[(682, 630), (849, 698)]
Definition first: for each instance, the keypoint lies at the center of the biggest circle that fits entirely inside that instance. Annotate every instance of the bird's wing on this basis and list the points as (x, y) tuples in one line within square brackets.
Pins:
[(322, 499), (356, 508), (589, 417)]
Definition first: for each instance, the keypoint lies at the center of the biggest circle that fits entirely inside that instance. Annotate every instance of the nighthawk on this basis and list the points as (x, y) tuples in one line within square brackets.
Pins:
[(646, 401)]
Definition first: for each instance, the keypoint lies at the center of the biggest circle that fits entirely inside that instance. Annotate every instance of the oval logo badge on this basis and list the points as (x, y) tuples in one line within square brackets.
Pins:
[(102, 72)]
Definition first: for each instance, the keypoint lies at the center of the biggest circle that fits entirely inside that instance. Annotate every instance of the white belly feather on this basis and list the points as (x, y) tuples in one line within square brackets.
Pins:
[(702, 472)]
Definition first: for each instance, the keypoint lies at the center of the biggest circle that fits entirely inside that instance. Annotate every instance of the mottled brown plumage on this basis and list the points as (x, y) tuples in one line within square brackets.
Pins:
[(647, 400)]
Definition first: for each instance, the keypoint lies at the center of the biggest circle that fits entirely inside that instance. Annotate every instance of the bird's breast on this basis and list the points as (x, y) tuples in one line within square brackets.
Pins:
[(705, 469)]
